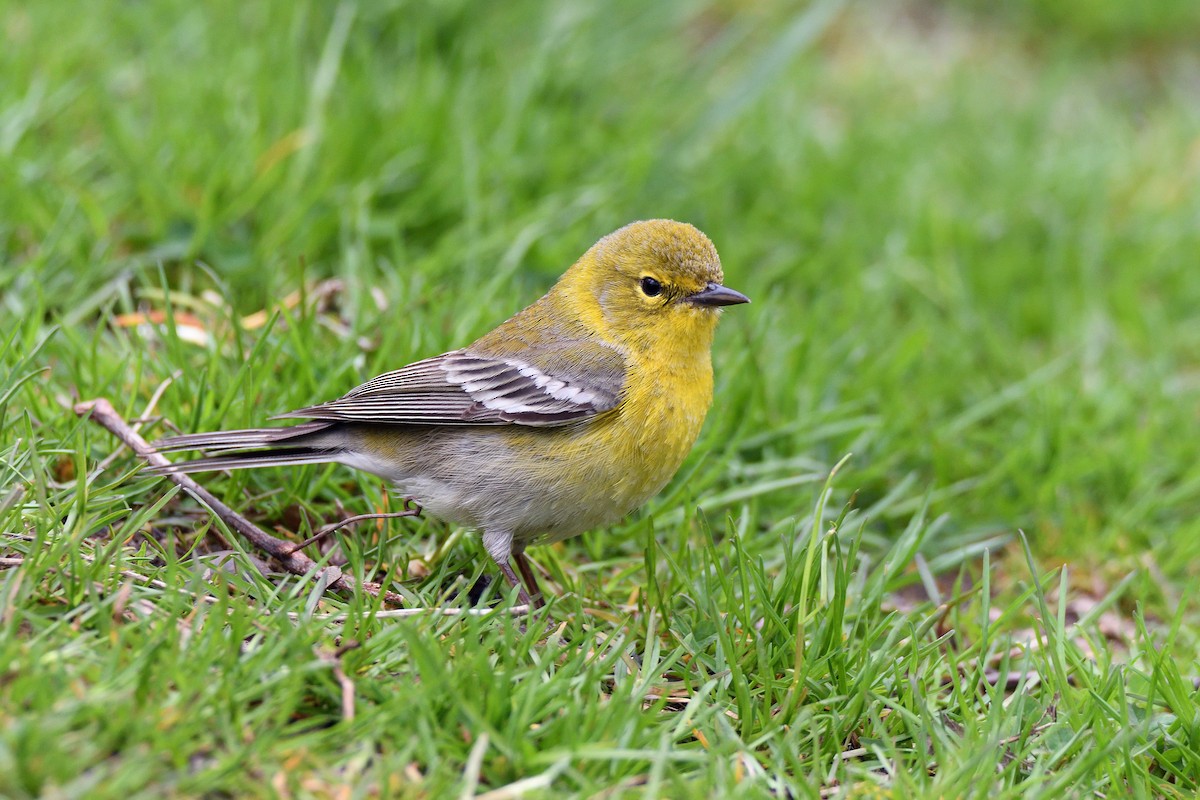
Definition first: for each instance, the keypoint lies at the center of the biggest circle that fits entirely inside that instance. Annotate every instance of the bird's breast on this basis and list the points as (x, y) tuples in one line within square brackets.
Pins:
[(629, 454)]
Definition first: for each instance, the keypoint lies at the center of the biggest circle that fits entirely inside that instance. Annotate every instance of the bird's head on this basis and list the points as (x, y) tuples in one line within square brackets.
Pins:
[(655, 283)]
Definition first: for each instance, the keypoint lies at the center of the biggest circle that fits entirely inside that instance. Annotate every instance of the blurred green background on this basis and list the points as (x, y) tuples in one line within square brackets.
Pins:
[(971, 232)]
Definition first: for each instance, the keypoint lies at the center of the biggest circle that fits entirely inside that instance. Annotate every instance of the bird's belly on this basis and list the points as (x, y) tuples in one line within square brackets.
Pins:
[(503, 493)]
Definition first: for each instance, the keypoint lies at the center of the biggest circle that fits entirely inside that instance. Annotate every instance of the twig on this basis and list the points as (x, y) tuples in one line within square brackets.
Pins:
[(334, 660), (137, 426), (402, 613), (328, 529), (297, 563)]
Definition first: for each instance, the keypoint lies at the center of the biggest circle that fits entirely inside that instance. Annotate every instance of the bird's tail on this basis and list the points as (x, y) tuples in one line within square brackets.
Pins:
[(310, 443)]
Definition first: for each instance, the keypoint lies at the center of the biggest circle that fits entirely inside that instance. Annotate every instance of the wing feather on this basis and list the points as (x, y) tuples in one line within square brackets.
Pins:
[(547, 386)]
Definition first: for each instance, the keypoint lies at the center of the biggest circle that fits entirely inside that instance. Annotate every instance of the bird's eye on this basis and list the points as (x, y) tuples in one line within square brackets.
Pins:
[(651, 287)]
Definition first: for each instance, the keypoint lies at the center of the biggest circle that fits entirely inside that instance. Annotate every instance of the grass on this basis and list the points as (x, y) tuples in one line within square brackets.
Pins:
[(971, 242)]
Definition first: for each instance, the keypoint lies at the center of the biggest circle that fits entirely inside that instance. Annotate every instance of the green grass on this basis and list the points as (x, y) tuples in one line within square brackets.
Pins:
[(971, 238)]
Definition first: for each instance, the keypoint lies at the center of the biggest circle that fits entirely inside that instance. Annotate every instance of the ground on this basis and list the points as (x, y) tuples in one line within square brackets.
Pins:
[(971, 241)]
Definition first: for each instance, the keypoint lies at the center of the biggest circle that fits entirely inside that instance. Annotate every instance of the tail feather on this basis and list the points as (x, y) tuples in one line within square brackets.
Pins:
[(310, 443), (241, 440), (261, 458)]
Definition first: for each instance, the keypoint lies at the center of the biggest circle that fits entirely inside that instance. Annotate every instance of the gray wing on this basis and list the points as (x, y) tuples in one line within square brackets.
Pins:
[(549, 385)]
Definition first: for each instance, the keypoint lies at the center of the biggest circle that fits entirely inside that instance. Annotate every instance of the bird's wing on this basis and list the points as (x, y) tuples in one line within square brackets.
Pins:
[(547, 385)]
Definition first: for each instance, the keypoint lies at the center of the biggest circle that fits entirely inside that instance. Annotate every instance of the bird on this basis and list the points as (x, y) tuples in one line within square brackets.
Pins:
[(562, 419)]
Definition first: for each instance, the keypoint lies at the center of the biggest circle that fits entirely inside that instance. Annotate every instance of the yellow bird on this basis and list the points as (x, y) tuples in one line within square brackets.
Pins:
[(564, 418)]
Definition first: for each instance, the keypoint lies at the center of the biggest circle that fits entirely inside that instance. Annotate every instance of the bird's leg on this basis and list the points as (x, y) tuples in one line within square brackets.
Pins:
[(498, 543), (522, 595), (527, 574)]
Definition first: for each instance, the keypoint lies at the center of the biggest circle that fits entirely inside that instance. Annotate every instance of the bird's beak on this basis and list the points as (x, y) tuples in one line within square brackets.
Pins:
[(717, 295)]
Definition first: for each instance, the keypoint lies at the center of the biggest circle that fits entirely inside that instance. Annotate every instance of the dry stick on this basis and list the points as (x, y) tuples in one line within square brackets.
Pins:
[(328, 529), (137, 426), (297, 563)]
